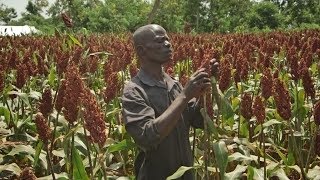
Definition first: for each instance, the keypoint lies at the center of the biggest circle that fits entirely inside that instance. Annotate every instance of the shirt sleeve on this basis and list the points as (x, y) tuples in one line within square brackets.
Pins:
[(139, 120), (194, 115)]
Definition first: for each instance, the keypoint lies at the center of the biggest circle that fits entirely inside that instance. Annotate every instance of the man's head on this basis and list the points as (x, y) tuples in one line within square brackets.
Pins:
[(151, 43)]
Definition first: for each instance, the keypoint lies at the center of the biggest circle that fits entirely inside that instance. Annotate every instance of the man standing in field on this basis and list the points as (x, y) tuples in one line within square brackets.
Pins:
[(158, 111)]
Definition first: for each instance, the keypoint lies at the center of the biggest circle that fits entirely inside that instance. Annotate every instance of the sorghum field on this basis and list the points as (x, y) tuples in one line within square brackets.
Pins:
[(60, 108)]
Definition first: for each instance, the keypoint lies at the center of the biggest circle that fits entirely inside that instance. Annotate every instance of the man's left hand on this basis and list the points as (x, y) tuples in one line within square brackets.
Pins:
[(214, 68)]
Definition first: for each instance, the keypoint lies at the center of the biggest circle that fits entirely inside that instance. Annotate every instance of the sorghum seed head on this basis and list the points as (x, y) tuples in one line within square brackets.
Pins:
[(266, 83), (46, 105), (246, 105), (27, 174), (259, 109), (93, 116), (67, 20), (225, 74), (42, 127), (316, 113), (282, 99), (60, 96)]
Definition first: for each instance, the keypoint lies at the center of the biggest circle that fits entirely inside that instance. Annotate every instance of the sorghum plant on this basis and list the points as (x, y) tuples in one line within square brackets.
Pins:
[(282, 99), (67, 20), (293, 63), (46, 105), (307, 81), (43, 129), (266, 83), (113, 87), (259, 109), (60, 96), (246, 105), (225, 73), (74, 87), (27, 174), (93, 116), (22, 75)]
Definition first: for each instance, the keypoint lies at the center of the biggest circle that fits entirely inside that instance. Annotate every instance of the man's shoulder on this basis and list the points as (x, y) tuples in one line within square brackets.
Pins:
[(132, 85)]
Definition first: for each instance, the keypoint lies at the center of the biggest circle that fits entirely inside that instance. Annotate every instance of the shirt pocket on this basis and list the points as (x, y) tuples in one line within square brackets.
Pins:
[(159, 100)]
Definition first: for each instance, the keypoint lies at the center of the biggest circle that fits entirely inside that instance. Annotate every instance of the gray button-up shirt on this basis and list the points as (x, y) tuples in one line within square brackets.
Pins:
[(144, 99)]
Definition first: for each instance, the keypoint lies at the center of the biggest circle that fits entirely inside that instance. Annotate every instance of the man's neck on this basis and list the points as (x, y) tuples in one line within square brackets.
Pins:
[(153, 70)]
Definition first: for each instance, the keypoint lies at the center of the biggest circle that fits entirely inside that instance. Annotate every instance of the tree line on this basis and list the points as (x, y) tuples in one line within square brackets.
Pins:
[(197, 16)]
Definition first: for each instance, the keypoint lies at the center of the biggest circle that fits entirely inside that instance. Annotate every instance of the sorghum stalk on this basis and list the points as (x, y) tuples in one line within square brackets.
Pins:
[(22, 109), (49, 161), (239, 123), (71, 154), (297, 155), (215, 99), (55, 124), (264, 154), (206, 146), (259, 112), (311, 148), (54, 132), (194, 142), (11, 123), (298, 124), (317, 144), (315, 140), (88, 149), (309, 117), (44, 132), (100, 158)]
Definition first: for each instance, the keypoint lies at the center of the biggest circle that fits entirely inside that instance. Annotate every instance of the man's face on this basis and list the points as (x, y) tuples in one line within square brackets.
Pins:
[(157, 47)]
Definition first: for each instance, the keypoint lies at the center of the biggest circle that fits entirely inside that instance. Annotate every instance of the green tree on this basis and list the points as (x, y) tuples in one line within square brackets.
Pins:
[(216, 15), (118, 16), (7, 14), (170, 15), (264, 15), (230, 14), (299, 12)]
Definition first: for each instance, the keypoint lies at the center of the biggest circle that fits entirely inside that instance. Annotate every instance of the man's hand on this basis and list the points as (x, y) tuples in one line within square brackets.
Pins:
[(214, 67), (197, 84)]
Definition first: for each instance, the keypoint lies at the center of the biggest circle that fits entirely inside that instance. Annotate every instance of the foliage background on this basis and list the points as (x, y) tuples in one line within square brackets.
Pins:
[(72, 155), (221, 16)]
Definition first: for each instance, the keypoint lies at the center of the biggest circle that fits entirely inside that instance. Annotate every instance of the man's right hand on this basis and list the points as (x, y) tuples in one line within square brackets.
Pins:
[(197, 84)]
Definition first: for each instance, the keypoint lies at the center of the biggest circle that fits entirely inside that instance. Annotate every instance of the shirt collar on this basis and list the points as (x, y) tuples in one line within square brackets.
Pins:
[(150, 81)]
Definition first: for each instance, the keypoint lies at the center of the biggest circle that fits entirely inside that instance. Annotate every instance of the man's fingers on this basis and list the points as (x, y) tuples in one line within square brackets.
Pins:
[(203, 81), (212, 61), (215, 69), (201, 75), (197, 72)]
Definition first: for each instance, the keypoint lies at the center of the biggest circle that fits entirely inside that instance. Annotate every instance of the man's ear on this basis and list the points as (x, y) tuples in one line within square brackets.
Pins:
[(140, 50)]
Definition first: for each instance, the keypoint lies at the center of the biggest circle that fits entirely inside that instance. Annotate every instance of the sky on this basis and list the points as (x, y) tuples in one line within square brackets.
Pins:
[(19, 5)]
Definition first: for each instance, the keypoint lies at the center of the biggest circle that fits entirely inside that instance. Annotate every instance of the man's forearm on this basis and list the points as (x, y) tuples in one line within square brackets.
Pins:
[(168, 120)]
